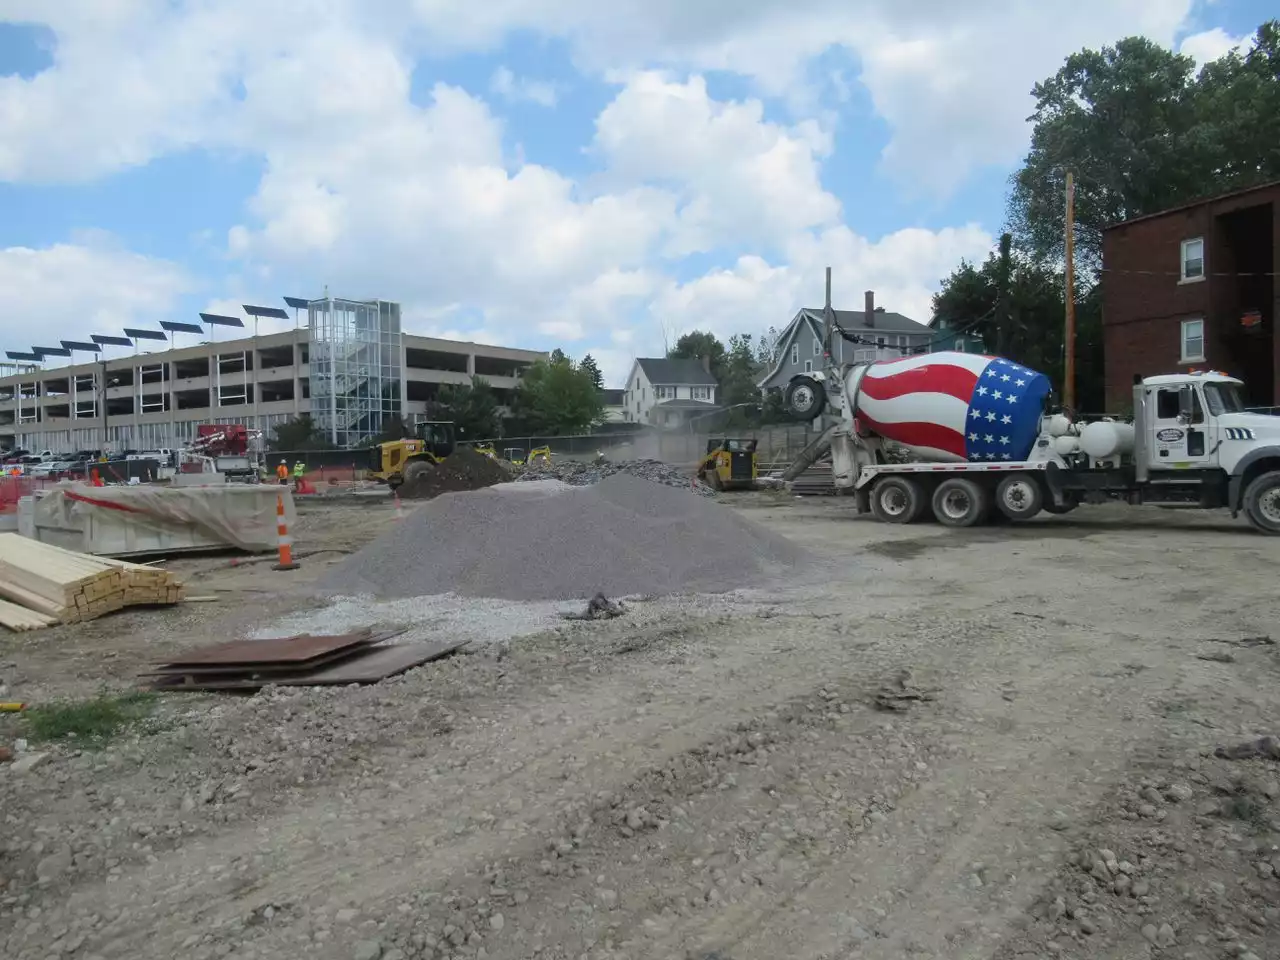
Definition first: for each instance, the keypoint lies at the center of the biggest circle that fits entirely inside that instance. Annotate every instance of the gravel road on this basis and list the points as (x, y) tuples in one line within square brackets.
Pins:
[(994, 743)]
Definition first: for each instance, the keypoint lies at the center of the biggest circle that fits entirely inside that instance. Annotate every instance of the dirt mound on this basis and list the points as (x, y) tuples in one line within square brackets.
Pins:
[(579, 473), (464, 469), (623, 536)]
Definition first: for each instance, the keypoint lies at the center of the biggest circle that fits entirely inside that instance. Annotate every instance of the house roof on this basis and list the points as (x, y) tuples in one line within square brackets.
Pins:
[(851, 320), (613, 398), (1215, 198), (664, 370)]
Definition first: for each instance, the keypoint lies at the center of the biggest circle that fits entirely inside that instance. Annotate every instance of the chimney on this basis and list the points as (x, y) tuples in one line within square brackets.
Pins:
[(706, 362), (871, 308)]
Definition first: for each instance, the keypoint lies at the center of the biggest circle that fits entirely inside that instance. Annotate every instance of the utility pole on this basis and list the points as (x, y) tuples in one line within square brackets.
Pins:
[(1069, 335)]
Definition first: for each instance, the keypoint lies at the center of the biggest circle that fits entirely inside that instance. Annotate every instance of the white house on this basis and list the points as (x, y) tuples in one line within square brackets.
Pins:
[(881, 335), (669, 393)]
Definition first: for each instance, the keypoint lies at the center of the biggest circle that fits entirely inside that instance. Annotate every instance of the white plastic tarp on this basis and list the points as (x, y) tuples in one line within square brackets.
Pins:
[(234, 515)]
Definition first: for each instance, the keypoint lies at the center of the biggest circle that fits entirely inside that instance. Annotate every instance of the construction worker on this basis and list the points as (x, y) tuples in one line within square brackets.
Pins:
[(299, 471), (282, 473)]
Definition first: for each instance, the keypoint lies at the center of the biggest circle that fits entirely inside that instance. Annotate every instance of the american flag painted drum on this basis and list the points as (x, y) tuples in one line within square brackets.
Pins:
[(953, 407)]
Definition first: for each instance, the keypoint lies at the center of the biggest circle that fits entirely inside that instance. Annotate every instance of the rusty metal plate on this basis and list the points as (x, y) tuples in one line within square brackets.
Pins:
[(285, 650), (364, 665), (241, 670)]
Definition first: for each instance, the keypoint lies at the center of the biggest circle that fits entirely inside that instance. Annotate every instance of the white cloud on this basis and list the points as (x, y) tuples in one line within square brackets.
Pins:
[(69, 291), (513, 89), (1209, 45)]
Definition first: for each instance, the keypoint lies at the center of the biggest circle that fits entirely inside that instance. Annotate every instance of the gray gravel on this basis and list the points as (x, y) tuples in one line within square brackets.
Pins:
[(580, 474), (621, 537)]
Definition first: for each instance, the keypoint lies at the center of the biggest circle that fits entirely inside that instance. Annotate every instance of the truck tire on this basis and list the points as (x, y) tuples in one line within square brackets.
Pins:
[(959, 502), (898, 500), (1262, 502), (805, 398), (1019, 496), (415, 469)]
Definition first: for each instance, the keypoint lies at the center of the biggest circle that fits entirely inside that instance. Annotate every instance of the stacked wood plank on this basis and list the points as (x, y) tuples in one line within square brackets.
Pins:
[(40, 582)]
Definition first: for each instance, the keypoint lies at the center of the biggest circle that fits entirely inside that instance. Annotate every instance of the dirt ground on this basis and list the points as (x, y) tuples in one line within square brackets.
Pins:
[(993, 743)]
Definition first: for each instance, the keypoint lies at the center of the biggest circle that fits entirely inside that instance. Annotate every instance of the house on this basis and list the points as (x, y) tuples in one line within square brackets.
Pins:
[(669, 393), (954, 335), (1195, 287), (884, 336), (614, 405)]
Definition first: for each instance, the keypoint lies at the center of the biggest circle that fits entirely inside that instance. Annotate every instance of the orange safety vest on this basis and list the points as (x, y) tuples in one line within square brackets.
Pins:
[(282, 472)]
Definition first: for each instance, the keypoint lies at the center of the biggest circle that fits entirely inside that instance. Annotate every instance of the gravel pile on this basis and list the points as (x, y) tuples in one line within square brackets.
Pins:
[(623, 536), (581, 474), (464, 469)]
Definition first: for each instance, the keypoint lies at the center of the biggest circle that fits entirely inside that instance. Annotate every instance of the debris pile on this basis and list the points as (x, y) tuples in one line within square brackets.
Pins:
[(623, 536), (464, 469), (581, 474)]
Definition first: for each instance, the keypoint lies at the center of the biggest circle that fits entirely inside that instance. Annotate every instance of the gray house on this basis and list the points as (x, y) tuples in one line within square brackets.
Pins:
[(886, 336)]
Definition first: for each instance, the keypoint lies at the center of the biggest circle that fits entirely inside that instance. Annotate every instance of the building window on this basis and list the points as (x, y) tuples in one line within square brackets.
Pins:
[(1192, 341), (700, 393), (808, 366), (1192, 259), (863, 356), (817, 347), (795, 353), (959, 344)]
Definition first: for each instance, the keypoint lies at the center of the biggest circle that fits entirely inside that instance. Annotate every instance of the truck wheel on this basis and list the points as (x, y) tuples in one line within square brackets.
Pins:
[(1262, 502), (960, 503), (1019, 497), (805, 398), (897, 500), (415, 469)]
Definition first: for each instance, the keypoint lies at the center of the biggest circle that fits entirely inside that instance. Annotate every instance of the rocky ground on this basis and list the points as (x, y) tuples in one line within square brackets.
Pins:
[(997, 743)]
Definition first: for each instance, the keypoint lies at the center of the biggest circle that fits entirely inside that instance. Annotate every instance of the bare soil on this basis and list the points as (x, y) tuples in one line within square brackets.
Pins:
[(991, 743)]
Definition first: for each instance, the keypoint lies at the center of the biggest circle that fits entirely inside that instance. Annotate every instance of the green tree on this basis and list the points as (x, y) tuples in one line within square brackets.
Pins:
[(592, 369), (393, 428), (556, 398), (1142, 132), (299, 433), (738, 373), (698, 344), (473, 408), (767, 347)]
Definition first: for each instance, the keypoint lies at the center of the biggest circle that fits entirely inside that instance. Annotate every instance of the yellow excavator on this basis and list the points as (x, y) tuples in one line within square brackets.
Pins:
[(517, 455), (401, 461), (729, 464)]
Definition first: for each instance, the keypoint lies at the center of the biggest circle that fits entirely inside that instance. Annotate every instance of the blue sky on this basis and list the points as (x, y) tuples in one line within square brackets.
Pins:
[(568, 185)]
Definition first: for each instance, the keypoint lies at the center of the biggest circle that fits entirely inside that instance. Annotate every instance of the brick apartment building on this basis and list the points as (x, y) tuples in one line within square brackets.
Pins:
[(1195, 287)]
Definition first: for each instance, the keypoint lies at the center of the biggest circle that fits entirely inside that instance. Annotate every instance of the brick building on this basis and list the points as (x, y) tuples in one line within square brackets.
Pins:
[(1195, 287)]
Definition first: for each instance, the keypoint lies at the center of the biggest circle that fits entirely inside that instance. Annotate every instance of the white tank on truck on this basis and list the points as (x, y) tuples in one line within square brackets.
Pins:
[(984, 440)]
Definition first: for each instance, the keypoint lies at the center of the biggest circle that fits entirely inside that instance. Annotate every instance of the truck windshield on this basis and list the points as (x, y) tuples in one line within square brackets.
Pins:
[(1223, 398)]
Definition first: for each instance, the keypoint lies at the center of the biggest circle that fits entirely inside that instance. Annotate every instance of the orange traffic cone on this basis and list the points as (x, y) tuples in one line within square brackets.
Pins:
[(286, 561)]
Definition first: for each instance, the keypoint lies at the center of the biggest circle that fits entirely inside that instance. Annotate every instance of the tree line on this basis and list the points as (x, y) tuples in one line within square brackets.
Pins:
[(1141, 130)]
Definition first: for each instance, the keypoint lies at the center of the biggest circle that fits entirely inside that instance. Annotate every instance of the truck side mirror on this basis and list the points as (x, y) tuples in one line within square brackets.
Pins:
[(1186, 405)]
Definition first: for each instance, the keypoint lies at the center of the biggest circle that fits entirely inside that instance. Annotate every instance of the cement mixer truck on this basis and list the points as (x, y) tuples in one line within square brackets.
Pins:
[(984, 444)]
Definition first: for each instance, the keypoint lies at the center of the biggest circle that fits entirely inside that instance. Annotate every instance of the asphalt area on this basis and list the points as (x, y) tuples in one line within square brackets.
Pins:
[(991, 743)]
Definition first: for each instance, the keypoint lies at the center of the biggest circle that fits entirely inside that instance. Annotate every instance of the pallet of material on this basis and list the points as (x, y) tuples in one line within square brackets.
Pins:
[(63, 586)]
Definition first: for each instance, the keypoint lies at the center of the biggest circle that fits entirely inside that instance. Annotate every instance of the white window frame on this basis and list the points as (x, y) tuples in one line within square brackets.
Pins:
[(1189, 356), (959, 345), (699, 393), (795, 353), (817, 347), (808, 366), (1186, 277)]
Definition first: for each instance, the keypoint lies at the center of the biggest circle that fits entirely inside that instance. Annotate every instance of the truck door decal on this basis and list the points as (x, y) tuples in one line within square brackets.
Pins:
[(1169, 435)]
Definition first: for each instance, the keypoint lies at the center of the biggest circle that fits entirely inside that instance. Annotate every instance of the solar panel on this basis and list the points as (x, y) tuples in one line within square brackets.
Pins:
[(82, 345), (15, 355), (176, 326), (144, 334), (273, 312), (218, 320), (111, 341), (51, 351), (297, 302)]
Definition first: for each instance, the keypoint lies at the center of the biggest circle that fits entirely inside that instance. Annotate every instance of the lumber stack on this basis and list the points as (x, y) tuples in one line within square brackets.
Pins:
[(42, 584)]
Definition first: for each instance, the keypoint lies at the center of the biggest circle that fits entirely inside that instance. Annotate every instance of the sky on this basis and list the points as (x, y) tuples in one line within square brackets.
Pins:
[(595, 175)]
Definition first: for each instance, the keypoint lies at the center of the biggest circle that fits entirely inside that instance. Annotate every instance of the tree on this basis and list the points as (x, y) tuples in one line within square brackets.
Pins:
[(393, 428), (557, 397), (738, 373), (592, 369), (300, 433), (472, 407), (1142, 132), (767, 347), (698, 344)]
